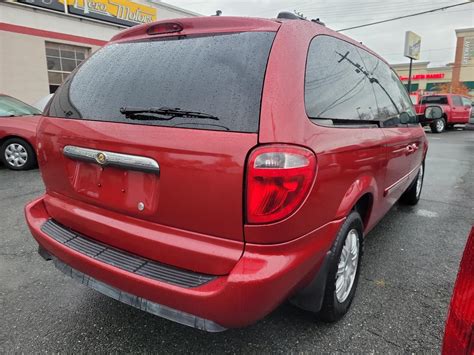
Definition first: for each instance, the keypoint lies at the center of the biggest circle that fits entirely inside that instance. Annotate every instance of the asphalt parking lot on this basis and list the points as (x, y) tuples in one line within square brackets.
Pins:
[(409, 267)]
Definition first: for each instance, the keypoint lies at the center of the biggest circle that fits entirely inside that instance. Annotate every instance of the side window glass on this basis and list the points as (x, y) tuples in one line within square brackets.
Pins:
[(434, 100), (457, 101), (336, 84), (386, 108), (392, 98), (466, 101)]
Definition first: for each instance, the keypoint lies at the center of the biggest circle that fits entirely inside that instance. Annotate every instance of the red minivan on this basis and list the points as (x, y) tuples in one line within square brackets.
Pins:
[(207, 169)]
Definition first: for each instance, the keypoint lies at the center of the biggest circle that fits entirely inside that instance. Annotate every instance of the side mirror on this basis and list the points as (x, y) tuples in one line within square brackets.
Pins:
[(433, 112), (404, 118)]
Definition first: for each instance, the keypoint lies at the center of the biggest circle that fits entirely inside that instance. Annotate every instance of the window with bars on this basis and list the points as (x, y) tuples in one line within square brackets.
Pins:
[(62, 59)]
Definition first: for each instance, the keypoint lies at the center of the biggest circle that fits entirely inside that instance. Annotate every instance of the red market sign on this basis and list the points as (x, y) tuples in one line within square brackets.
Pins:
[(423, 76)]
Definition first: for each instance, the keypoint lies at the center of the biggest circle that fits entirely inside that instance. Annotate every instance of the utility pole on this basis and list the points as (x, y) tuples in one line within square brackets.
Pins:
[(409, 76)]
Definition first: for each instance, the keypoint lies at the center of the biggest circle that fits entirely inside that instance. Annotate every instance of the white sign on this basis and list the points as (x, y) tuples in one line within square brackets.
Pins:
[(412, 45), (468, 51)]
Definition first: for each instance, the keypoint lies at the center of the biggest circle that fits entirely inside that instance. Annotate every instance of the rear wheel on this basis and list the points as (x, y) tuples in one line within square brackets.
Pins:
[(438, 125), (412, 195), (17, 154), (344, 269)]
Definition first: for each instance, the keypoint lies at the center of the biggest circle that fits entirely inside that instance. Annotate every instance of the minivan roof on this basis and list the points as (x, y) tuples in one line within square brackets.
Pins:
[(208, 24), (227, 24)]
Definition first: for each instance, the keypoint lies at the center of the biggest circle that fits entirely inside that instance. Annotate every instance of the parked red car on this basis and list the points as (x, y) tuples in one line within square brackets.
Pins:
[(18, 122), (459, 333), (456, 110), (222, 165)]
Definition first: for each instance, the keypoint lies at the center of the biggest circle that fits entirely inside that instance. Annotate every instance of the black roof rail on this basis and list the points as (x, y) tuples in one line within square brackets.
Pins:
[(296, 16), (290, 16), (318, 21)]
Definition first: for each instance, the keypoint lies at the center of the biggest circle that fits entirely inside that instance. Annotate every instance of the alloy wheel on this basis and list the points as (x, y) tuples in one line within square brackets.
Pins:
[(347, 267), (419, 181), (440, 125)]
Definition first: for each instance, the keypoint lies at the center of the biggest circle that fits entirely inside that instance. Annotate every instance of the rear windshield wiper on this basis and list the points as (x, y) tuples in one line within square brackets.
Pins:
[(162, 113)]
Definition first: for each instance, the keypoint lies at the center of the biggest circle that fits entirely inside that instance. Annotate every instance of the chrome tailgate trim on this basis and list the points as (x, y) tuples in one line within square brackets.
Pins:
[(107, 158)]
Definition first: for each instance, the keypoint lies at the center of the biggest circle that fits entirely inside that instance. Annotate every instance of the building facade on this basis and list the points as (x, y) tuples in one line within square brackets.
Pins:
[(429, 79), (42, 41)]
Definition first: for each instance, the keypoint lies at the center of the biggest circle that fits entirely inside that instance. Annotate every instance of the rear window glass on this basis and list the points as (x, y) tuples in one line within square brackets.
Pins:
[(217, 75), (440, 100)]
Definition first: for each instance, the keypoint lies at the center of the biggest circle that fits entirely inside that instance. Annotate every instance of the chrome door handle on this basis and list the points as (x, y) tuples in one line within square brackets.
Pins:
[(411, 148)]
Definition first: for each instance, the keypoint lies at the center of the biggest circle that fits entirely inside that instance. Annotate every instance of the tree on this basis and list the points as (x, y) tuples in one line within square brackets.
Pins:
[(453, 88)]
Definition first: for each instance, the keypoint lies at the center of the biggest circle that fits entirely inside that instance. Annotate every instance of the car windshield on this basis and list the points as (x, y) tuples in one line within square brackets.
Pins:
[(440, 100), (10, 106)]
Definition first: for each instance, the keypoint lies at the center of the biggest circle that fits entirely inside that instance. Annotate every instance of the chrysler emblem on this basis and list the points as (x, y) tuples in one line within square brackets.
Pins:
[(101, 158)]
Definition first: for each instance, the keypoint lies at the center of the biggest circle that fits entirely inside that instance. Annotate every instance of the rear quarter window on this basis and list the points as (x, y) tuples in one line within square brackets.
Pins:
[(220, 75), (440, 100), (344, 82), (466, 101)]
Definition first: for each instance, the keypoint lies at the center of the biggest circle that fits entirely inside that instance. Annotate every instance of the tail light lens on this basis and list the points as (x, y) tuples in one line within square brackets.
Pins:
[(278, 180), (459, 333)]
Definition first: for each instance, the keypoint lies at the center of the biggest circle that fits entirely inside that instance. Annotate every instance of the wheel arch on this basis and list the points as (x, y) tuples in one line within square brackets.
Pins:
[(360, 197), (5, 138), (364, 207)]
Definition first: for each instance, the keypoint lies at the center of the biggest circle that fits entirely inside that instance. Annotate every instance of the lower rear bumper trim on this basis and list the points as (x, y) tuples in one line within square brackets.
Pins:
[(138, 302)]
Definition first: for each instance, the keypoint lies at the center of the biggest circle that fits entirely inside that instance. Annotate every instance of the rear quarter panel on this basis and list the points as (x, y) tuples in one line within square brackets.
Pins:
[(23, 127), (350, 160)]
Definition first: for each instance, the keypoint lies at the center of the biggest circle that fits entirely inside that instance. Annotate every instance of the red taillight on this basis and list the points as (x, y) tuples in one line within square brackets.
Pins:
[(278, 180), (162, 28), (459, 333)]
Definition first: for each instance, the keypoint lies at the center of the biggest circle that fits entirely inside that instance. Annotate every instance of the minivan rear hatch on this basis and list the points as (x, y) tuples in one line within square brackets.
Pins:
[(158, 129)]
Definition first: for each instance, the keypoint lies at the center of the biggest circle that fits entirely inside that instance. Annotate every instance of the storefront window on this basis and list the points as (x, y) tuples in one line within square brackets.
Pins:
[(62, 59)]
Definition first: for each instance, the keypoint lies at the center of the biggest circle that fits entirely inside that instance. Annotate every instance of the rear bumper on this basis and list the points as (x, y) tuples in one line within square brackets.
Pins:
[(264, 276)]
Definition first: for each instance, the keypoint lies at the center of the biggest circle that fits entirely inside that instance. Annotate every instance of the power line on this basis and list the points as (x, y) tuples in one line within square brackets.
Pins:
[(368, 18), (405, 16), (366, 6), (361, 9), (424, 50)]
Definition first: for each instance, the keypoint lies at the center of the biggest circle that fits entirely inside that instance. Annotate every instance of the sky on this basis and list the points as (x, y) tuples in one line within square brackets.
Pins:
[(438, 39)]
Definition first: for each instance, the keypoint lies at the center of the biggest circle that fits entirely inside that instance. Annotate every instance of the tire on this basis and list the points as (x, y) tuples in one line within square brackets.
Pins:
[(337, 299), (412, 195), (438, 126), (17, 154)]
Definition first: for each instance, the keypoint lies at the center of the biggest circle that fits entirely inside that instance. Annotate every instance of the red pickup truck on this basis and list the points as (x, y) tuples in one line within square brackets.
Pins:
[(456, 108)]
